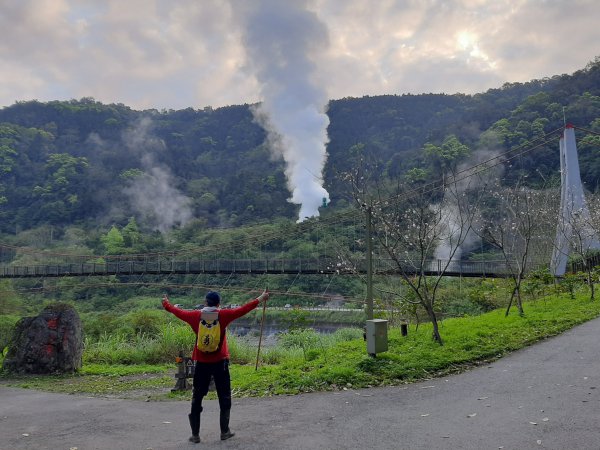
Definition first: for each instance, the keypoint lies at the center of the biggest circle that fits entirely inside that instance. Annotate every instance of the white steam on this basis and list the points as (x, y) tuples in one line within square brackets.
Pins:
[(452, 234), (153, 195), (283, 42), (457, 236)]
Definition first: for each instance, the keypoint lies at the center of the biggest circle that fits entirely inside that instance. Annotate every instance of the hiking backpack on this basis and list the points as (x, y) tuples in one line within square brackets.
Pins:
[(209, 332)]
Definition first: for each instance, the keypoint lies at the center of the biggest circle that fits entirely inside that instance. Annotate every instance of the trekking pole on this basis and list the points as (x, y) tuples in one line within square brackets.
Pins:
[(262, 324)]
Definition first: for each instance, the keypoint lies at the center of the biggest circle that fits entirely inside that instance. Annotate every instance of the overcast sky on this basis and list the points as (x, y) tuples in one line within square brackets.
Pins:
[(191, 53)]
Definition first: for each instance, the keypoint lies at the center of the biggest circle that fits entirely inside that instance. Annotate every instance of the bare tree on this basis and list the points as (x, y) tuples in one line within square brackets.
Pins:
[(512, 220), (579, 228), (409, 225)]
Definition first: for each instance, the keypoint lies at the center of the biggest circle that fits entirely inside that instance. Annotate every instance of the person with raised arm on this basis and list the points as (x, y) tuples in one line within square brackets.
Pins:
[(211, 354)]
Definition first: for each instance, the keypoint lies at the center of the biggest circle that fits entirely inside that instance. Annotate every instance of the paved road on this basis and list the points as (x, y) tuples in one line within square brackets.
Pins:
[(543, 397)]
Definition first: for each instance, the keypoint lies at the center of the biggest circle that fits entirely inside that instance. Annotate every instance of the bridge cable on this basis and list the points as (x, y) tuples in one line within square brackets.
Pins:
[(294, 281)]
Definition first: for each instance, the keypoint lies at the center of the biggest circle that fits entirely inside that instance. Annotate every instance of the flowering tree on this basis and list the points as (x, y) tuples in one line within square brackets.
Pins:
[(580, 228), (411, 223), (513, 220)]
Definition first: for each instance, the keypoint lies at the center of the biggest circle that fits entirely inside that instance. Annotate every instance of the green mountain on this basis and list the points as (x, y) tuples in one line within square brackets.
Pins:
[(84, 164)]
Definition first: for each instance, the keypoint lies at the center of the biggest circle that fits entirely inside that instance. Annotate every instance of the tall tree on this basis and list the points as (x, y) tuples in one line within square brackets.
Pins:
[(113, 241)]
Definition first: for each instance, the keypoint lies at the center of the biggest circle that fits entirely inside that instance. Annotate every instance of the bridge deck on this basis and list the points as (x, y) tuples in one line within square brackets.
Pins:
[(492, 269)]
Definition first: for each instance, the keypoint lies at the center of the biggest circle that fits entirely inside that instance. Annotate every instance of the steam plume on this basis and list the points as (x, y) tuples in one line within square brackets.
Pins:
[(451, 223), (283, 41), (153, 195)]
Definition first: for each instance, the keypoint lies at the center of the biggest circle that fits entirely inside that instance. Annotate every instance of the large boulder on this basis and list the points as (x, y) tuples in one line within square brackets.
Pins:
[(52, 342)]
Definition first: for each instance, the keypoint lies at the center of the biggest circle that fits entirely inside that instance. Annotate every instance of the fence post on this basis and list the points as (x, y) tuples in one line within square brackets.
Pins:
[(404, 328)]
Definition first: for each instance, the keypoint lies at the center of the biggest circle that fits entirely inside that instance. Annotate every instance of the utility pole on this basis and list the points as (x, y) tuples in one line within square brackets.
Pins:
[(375, 329), (369, 304)]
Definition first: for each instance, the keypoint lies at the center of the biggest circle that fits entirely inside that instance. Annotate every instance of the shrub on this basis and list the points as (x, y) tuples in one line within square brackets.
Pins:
[(296, 319), (7, 326), (304, 339), (241, 351), (175, 337), (345, 334), (146, 321), (278, 354), (10, 303), (113, 349), (95, 325)]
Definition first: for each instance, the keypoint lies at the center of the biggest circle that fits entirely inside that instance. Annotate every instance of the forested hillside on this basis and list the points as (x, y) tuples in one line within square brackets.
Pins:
[(85, 165)]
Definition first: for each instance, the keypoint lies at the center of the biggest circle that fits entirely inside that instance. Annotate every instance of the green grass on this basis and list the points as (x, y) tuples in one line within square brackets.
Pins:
[(306, 362), (141, 387), (140, 348), (467, 341), (132, 381), (120, 370)]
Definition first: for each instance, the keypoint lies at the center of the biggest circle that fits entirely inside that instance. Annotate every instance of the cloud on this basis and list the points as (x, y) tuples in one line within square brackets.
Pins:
[(182, 53)]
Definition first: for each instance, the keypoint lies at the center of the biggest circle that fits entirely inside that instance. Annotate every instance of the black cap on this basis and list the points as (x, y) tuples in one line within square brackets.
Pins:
[(213, 298)]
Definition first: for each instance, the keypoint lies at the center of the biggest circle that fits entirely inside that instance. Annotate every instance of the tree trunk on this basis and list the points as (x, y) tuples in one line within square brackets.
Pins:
[(510, 303), (591, 283), (436, 333), (519, 301), (434, 323)]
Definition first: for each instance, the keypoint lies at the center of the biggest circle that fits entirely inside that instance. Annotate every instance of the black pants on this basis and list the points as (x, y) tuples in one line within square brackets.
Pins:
[(202, 375)]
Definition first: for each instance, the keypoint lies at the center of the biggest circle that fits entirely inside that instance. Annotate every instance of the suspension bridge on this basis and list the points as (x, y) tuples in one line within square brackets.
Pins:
[(492, 269)]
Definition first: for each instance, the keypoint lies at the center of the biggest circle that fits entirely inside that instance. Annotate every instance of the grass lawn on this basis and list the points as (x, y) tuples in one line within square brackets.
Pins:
[(468, 341)]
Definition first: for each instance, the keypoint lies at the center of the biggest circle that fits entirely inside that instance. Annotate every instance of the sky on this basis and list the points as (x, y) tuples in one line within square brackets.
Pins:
[(175, 54)]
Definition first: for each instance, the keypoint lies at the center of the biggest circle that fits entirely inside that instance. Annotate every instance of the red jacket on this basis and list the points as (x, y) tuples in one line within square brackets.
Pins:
[(226, 316)]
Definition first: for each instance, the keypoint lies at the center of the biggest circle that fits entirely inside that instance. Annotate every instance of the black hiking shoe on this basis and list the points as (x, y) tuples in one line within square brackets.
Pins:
[(194, 439), (228, 434)]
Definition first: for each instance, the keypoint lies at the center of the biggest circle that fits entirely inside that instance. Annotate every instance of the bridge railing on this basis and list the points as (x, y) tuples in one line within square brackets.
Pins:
[(241, 266)]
